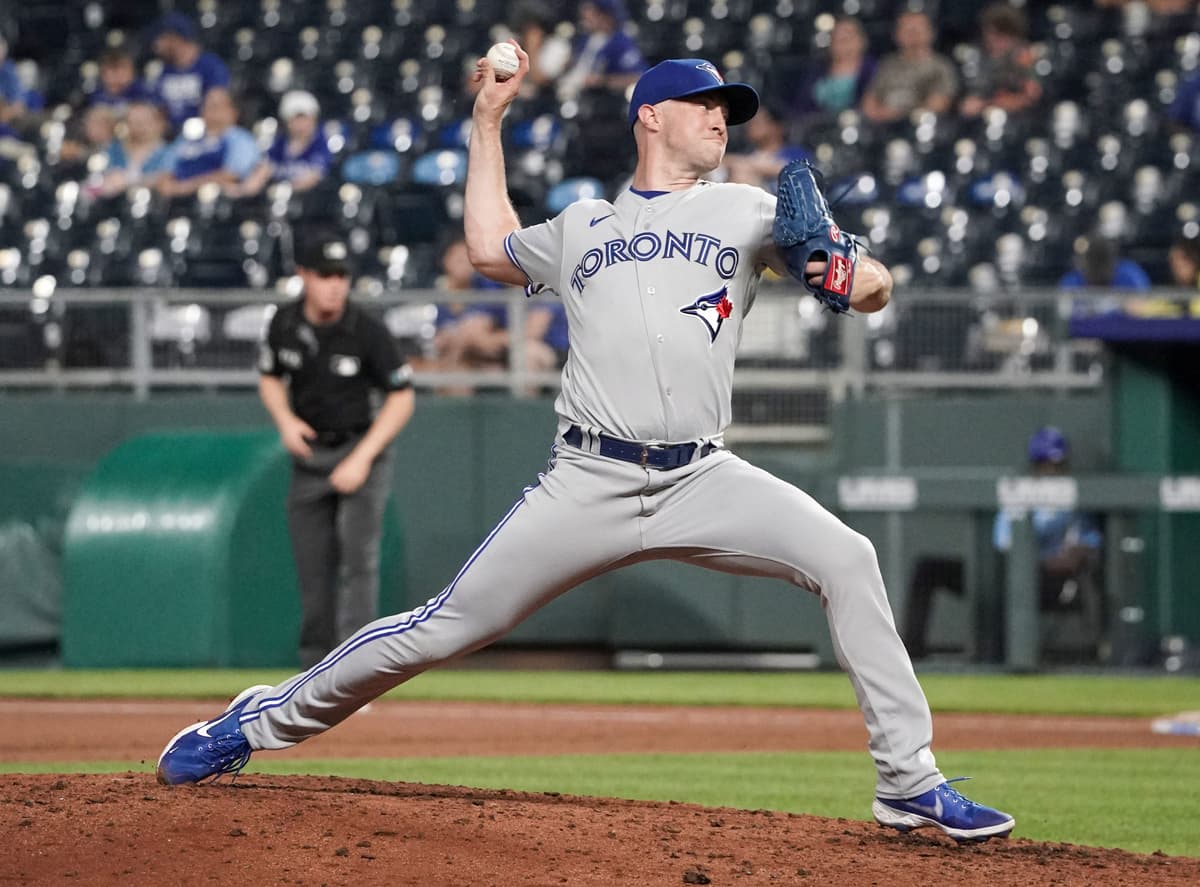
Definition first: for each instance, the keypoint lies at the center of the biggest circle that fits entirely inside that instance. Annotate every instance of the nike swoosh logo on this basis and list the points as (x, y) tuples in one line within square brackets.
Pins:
[(935, 811), (203, 731), (598, 219)]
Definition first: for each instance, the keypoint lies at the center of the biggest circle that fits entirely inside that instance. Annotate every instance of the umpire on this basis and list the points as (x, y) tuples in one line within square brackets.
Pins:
[(324, 365)]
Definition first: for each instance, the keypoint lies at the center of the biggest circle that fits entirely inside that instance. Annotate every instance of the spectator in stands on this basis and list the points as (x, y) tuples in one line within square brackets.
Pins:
[(140, 155), (188, 73), (119, 83), (11, 90), (298, 155), (223, 153), (468, 336), (1005, 78), (1068, 551), (912, 78), (604, 55), (16, 98), (769, 150), (533, 25), (475, 336), (1184, 259), (840, 80), (1098, 264), (97, 130), (12, 144), (1185, 109)]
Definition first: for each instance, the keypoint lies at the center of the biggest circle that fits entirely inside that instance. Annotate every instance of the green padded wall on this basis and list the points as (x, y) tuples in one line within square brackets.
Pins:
[(176, 553)]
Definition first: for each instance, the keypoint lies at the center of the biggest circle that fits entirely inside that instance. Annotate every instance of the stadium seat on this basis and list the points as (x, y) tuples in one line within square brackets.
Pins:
[(570, 190), (378, 167), (441, 168)]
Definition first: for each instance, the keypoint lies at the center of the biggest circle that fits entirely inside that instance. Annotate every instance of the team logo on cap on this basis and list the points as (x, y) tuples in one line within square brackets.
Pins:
[(334, 252), (711, 310), (708, 68)]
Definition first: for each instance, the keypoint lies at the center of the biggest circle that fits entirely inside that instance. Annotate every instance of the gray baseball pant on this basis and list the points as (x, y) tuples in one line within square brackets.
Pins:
[(590, 514)]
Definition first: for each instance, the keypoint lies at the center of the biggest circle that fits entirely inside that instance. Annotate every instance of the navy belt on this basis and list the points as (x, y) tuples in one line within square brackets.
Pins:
[(646, 455)]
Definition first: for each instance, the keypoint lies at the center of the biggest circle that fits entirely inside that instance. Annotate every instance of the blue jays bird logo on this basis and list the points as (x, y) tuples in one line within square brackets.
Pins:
[(712, 310)]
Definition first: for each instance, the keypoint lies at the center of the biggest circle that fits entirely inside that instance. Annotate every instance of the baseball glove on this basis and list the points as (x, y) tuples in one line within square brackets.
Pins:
[(805, 230)]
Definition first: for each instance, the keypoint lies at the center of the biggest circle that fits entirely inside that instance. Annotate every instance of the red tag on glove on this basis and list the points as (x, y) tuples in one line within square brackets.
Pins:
[(837, 275)]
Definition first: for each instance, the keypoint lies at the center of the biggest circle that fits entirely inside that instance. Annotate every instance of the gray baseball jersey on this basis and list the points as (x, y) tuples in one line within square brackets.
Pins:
[(655, 291), (655, 288)]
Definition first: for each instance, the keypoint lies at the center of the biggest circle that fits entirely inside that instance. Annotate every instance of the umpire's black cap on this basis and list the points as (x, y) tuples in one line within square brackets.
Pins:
[(323, 252)]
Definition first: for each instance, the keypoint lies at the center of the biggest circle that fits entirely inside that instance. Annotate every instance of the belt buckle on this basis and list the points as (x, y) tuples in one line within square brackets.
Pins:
[(645, 456)]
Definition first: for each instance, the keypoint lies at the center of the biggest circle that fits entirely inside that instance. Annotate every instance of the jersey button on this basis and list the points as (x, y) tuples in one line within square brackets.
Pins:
[(649, 290), (660, 337)]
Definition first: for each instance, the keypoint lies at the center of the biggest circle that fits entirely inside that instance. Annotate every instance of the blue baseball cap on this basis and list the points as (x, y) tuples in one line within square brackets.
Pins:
[(172, 23), (1048, 444), (679, 78)]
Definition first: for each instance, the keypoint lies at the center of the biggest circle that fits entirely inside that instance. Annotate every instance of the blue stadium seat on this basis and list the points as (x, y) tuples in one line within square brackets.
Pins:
[(445, 168), (568, 191)]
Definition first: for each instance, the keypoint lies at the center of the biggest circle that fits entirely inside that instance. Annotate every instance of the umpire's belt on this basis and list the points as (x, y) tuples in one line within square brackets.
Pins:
[(646, 455), (337, 438)]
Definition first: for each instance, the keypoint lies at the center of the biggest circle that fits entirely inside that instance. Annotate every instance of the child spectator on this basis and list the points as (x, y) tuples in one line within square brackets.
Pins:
[(298, 155), (139, 156)]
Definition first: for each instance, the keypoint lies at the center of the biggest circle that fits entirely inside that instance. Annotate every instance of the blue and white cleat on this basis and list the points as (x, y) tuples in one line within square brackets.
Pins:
[(208, 748), (943, 807)]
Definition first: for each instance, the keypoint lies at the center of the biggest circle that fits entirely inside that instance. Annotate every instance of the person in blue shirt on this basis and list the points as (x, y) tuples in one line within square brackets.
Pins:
[(119, 83), (11, 90), (476, 336), (188, 71), (139, 156), (604, 56), (1185, 109), (769, 150), (15, 97), (1097, 263), (222, 152), (298, 155), (1068, 550)]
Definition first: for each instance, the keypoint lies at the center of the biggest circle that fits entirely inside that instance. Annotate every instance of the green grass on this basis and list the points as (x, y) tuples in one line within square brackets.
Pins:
[(1026, 694), (1142, 800), (1137, 800)]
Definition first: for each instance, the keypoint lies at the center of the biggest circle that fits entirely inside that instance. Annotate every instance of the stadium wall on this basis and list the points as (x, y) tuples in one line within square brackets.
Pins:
[(461, 464)]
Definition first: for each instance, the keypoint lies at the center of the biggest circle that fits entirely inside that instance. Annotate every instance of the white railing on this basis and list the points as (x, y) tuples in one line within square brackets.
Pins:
[(794, 359)]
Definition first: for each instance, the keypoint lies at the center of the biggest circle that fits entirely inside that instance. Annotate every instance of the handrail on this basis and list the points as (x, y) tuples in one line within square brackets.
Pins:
[(789, 345)]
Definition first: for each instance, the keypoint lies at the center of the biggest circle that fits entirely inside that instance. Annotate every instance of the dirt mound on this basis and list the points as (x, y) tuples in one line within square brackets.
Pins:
[(125, 829)]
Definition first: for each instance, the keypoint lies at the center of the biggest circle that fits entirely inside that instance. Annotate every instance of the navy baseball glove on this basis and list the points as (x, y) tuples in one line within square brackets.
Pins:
[(805, 230)]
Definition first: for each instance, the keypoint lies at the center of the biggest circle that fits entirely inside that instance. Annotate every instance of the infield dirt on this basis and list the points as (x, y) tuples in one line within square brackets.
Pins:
[(126, 829)]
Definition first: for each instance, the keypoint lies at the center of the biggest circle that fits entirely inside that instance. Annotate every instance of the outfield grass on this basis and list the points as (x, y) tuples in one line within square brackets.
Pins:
[(1137, 800), (1025, 694)]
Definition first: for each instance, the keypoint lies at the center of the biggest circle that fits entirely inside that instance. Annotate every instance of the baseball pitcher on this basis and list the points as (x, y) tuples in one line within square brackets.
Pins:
[(656, 285)]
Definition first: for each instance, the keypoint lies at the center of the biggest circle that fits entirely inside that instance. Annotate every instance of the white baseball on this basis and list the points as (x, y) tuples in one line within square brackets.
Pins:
[(504, 60)]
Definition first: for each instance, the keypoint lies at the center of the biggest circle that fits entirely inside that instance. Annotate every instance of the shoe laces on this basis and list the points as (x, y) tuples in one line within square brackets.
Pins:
[(954, 793), (235, 754)]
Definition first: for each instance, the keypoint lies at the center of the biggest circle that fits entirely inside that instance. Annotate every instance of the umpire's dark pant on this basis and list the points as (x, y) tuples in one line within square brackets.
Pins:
[(335, 544)]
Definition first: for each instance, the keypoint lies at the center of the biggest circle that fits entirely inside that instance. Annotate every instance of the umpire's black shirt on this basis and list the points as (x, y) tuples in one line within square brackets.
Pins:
[(332, 369)]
